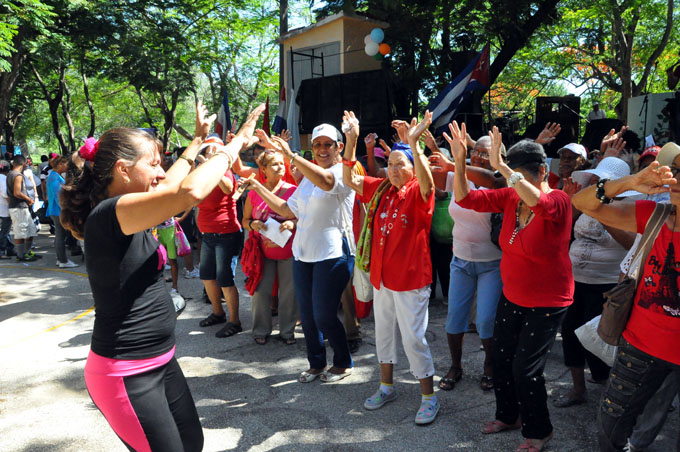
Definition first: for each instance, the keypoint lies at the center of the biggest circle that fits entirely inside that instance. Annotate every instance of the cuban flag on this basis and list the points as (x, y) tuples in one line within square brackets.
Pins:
[(280, 122), (474, 77), (223, 119)]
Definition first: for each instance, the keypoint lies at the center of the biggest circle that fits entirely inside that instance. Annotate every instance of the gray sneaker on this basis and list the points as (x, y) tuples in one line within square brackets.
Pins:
[(379, 399)]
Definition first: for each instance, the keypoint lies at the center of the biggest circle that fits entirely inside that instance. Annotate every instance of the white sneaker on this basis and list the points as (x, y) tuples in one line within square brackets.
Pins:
[(167, 267), (68, 264), (191, 274), (173, 291)]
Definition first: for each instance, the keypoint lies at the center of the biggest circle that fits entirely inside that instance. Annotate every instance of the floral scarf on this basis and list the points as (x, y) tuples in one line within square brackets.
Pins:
[(363, 256)]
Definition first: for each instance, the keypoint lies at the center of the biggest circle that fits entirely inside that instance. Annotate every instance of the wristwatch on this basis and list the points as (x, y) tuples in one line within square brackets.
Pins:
[(514, 178)]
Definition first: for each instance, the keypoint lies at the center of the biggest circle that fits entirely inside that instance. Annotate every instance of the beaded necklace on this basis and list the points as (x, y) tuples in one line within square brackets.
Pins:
[(517, 226)]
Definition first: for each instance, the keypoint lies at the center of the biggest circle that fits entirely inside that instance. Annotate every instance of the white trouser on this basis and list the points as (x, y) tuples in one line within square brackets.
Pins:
[(407, 311)]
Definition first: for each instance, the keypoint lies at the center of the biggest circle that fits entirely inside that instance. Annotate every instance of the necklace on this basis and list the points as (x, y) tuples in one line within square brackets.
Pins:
[(387, 219), (517, 225)]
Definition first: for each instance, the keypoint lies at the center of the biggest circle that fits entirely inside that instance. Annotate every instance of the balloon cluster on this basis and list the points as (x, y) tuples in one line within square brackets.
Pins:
[(375, 46)]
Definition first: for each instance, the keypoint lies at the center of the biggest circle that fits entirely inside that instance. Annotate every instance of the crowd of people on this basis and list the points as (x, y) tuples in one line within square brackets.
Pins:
[(533, 253)]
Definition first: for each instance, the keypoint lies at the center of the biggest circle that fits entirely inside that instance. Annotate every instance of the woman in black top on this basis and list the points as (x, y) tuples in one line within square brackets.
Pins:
[(131, 373)]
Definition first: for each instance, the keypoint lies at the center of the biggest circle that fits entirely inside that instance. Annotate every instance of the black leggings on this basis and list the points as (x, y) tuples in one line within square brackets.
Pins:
[(587, 305), (159, 401), (521, 341)]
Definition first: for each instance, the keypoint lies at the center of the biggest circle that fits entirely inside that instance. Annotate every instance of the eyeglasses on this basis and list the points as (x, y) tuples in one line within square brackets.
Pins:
[(319, 146), (481, 155)]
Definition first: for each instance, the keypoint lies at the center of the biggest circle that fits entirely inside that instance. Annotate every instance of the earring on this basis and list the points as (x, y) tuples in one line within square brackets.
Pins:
[(127, 181)]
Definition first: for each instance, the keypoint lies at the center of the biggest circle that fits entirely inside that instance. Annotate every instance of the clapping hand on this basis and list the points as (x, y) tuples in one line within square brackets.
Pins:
[(402, 130), (613, 147), (457, 141), (202, 123), (495, 151), (570, 187), (430, 142), (265, 141), (610, 137), (416, 129), (548, 134), (286, 135), (385, 147), (440, 164), (351, 119), (653, 179), (370, 139)]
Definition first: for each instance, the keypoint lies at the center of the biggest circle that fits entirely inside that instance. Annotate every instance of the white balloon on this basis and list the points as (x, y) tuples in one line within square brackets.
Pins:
[(368, 39), (372, 48)]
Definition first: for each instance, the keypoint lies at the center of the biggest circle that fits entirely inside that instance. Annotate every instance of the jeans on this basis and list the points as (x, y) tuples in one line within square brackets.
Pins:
[(521, 342), (6, 245), (318, 288), (634, 379), (468, 277), (59, 239), (587, 305), (652, 419)]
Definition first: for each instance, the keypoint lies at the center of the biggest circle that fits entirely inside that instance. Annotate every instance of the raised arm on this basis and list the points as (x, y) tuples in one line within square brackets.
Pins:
[(275, 203), (457, 142), (422, 167), (621, 215), (320, 177), (349, 177), (527, 192), (373, 168)]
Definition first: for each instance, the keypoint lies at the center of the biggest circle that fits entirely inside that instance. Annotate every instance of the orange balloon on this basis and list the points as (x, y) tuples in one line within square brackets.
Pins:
[(384, 49)]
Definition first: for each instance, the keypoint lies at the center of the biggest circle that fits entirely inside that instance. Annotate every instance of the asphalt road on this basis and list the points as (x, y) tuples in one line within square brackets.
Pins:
[(247, 395)]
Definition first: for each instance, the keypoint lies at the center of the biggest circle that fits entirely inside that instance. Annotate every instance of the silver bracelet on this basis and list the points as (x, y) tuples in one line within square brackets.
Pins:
[(514, 178)]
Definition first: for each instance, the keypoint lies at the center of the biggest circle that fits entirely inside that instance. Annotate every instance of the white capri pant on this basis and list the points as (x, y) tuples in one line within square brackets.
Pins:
[(408, 312)]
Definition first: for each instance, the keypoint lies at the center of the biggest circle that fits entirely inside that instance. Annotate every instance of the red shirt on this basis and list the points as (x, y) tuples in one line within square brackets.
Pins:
[(654, 325), (553, 180), (217, 212), (535, 268), (400, 248)]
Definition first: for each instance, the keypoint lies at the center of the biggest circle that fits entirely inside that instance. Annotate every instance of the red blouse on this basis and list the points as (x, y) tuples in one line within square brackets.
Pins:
[(535, 268), (400, 249)]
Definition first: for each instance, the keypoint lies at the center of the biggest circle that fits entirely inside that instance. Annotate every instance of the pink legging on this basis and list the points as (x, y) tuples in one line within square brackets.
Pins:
[(147, 402)]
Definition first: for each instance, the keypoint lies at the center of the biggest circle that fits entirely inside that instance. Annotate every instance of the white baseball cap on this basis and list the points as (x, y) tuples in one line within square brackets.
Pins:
[(326, 130), (576, 149)]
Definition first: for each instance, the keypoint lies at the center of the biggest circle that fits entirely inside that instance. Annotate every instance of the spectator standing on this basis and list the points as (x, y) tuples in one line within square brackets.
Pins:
[(19, 203), (54, 182), (6, 245), (596, 113)]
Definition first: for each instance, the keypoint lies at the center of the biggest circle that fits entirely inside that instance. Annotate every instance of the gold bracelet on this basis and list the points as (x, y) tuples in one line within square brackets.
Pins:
[(184, 157)]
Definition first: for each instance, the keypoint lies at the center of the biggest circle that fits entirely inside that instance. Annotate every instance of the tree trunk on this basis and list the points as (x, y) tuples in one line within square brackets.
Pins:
[(283, 28), (66, 111), (520, 37), (53, 102), (8, 127), (90, 107), (8, 80), (147, 113)]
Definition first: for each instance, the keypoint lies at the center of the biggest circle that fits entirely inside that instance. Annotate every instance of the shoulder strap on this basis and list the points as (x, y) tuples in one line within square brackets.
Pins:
[(652, 229)]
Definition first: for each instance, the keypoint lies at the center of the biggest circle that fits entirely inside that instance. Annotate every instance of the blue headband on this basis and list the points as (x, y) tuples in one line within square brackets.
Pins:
[(406, 149)]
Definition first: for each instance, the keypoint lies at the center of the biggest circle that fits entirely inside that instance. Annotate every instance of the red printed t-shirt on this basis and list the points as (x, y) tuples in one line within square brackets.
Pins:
[(262, 212), (535, 268), (217, 212), (400, 248), (654, 325)]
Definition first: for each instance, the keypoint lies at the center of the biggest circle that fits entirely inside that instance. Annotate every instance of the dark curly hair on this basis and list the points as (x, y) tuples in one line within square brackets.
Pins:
[(86, 188)]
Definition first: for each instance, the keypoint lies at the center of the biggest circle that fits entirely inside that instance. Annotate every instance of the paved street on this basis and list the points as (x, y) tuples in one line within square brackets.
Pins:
[(247, 395)]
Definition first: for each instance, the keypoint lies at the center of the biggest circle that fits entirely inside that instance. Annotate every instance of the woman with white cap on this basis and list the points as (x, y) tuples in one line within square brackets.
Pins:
[(648, 352), (596, 252), (321, 248)]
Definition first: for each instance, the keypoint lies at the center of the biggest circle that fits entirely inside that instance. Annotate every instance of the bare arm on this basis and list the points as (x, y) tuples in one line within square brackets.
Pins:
[(527, 192), (226, 185), (422, 167), (479, 176), (349, 177), (17, 190), (622, 214), (275, 203), (623, 238), (457, 141), (320, 177), (242, 170)]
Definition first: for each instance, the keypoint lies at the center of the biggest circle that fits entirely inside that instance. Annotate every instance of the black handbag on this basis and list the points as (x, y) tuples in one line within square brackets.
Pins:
[(620, 299)]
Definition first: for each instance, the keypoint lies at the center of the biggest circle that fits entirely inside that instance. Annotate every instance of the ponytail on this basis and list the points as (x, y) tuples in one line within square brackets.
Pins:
[(87, 187)]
